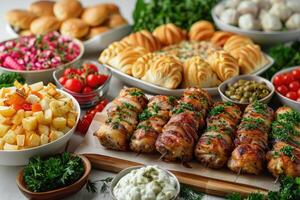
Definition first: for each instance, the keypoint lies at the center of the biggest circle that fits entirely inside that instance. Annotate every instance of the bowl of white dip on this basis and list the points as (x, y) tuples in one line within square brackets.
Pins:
[(145, 182)]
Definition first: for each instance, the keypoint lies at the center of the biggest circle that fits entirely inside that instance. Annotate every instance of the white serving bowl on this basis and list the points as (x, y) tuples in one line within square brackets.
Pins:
[(21, 157), (34, 76), (284, 100), (260, 37)]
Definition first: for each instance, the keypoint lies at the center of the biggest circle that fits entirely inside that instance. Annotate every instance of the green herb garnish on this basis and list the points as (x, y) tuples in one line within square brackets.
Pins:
[(216, 110), (144, 127), (171, 99), (189, 194), (129, 106), (288, 151), (260, 108), (7, 79), (136, 93)]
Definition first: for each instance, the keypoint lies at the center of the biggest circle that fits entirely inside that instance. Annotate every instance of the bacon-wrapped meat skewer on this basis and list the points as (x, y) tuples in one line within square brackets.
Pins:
[(152, 120), (284, 158), (122, 118), (215, 145), (180, 134), (251, 141)]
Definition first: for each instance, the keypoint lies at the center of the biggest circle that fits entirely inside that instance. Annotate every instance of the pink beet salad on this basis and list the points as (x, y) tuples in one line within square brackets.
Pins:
[(38, 52)]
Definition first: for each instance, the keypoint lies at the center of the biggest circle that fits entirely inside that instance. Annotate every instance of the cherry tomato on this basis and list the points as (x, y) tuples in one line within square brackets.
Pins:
[(298, 92), (73, 85), (298, 99), (294, 86), (92, 80), (282, 90), (288, 78), (62, 80), (292, 95), (90, 68), (87, 89), (78, 71), (278, 80), (102, 78), (296, 74), (27, 106), (69, 71)]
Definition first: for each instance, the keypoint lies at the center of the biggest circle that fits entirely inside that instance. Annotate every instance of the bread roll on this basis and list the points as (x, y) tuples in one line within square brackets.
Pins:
[(97, 31), (145, 39), (75, 28), (112, 51), (95, 15), (44, 24), (201, 30), (116, 20), (165, 71), (220, 37), (20, 19), (223, 64), (126, 58), (236, 42), (249, 58), (169, 34), (42, 8), (113, 8), (198, 73), (66, 9), (142, 64)]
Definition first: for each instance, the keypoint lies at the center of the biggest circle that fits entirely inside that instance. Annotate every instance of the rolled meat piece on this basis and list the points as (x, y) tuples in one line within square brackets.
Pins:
[(215, 145)]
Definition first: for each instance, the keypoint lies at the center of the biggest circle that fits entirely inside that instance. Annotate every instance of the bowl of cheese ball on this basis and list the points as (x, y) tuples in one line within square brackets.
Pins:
[(267, 22)]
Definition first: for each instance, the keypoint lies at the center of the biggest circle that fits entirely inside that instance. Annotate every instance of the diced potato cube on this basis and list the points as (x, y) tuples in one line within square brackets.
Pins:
[(51, 89), (1, 143), (10, 147), (43, 129), (34, 140), (67, 129), (37, 86), (21, 140), (39, 116), (2, 119), (10, 137), (17, 119), (29, 123), (3, 129), (44, 139), (28, 113), (32, 99), (4, 91), (45, 103), (47, 116), (58, 108), (59, 123), (19, 130), (7, 111), (18, 85), (54, 135), (71, 119)]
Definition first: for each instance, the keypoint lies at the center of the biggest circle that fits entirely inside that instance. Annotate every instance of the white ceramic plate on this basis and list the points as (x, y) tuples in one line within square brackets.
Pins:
[(260, 37), (21, 157), (97, 43), (154, 89)]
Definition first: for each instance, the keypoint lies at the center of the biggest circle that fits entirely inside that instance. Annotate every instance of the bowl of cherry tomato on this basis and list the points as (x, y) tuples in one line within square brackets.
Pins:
[(87, 82), (287, 86)]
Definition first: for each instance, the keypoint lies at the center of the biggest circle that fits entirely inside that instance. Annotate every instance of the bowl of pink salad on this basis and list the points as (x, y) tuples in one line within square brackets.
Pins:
[(36, 57)]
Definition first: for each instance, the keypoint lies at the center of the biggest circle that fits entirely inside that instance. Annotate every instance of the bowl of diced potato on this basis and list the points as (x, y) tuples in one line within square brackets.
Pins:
[(35, 119)]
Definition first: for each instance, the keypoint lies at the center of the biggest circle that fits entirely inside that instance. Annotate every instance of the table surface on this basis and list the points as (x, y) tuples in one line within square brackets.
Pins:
[(8, 187)]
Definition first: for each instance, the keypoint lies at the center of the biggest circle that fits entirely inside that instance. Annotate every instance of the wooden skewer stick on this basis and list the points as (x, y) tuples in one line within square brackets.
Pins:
[(162, 156), (276, 180), (238, 174)]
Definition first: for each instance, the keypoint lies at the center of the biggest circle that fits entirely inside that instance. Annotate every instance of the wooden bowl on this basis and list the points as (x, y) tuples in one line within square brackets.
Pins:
[(57, 193)]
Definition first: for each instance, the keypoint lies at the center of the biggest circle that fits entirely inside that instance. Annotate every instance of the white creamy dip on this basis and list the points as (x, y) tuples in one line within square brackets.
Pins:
[(146, 183)]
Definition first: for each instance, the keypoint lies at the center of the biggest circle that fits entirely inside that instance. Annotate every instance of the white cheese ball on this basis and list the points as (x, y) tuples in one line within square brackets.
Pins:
[(263, 4), (262, 14), (248, 22), (271, 23), (219, 9), (232, 3), (230, 16), (247, 7), (281, 10), (293, 22), (294, 5)]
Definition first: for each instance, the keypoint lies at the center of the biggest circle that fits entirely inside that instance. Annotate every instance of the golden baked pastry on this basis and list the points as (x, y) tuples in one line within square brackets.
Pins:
[(95, 15), (198, 73), (111, 51), (44, 24), (201, 30), (165, 71), (126, 58), (20, 19), (145, 39), (42, 8), (66, 9), (75, 28), (220, 37), (113, 8), (169, 34), (142, 64), (116, 20), (25, 33), (249, 58), (97, 31), (236, 42), (223, 64)]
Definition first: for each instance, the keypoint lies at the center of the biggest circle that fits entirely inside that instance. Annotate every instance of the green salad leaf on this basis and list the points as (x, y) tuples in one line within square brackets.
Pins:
[(7, 79)]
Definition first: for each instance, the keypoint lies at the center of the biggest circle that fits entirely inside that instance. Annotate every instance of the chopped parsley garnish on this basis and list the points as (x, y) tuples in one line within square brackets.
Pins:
[(217, 110), (228, 103), (146, 114), (253, 123), (288, 151), (260, 108), (146, 128), (171, 99), (156, 108), (129, 106), (183, 107), (136, 93)]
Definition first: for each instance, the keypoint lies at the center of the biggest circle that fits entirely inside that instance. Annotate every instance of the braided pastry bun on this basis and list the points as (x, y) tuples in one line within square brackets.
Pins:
[(143, 38), (220, 37), (201, 30), (236, 42), (165, 71), (169, 34), (142, 64), (249, 58), (126, 58), (223, 64), (198, 73), (112, 51)]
